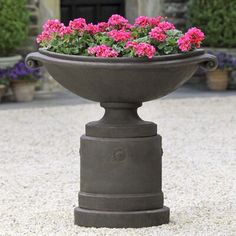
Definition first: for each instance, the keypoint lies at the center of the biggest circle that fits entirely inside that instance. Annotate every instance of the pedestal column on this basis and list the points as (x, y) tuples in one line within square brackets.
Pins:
[(120, 183)]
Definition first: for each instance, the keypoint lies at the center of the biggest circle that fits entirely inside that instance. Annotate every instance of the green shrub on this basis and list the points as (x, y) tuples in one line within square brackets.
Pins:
[(14, 20), (217, 19)]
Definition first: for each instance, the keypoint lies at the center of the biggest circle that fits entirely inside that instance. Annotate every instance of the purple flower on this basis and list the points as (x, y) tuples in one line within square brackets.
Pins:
[(20, 72), (225, 61)]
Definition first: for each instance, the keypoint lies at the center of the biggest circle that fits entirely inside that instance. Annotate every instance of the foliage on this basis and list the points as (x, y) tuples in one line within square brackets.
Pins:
[(14, 19), (217, 18), (148, 37)]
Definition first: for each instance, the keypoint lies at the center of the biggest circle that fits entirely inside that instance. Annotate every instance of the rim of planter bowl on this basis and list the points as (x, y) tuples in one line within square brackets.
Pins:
[(209, 65)]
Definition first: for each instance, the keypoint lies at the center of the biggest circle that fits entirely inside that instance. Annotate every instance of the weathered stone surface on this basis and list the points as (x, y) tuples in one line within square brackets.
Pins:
[(176, 11)]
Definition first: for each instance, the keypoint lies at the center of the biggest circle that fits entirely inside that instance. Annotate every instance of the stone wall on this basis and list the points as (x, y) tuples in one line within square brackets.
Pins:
[(176, 11), (135, 8)]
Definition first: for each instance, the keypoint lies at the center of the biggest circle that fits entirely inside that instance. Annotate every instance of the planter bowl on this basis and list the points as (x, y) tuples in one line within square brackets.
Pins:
[(121, 155), (121, 79)]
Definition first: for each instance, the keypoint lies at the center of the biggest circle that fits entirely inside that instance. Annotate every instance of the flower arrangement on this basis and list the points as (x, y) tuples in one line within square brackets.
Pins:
[(147, 37), (19, 72), (225, 61)]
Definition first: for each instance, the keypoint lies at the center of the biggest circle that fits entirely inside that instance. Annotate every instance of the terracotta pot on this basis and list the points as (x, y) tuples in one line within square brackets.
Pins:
[(121, 155), (6, 62), (2, 91), (217, 80), (23, 91)]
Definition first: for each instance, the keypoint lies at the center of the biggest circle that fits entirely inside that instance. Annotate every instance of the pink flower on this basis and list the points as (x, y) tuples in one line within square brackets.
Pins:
[(166, 26), (130, 44), (92, 29), (142, 49), (155, 21), (157, 34), (102, 26), (117, 20), (184, 43), (119, 35), (52, 26), (78, 24), (102, 51), (144, 21), (49, 28), (196, 36), (65, 30), (44, 36)]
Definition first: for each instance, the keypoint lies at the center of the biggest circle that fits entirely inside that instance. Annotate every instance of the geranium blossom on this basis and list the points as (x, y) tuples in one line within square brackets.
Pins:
[(91, 28), (117, 38), (44, 36), (155, 21), (158, 34), (78, 24), (65, 30), (117, 20), (196, 36), (142, 49), (144, 21), (52, 26), (166, 26), (102, 26), (119, 35), (184, 43), (193, 37), (102, 51)]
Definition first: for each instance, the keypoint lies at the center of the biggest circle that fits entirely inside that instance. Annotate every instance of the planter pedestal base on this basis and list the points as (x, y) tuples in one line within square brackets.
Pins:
[(132, 219), (120, 180)]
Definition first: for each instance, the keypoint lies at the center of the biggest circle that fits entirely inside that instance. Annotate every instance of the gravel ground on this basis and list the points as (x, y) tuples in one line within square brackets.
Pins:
[(39, 171)]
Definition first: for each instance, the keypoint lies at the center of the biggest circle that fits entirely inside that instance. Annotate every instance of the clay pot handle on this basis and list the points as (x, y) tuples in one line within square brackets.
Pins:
[(34, 60), (209, 62)]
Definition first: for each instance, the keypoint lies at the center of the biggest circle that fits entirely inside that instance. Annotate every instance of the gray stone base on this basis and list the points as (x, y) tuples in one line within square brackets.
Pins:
[(129, 219)]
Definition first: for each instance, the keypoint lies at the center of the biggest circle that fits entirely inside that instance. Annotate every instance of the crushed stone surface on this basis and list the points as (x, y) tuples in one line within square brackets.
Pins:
[(39, 167)]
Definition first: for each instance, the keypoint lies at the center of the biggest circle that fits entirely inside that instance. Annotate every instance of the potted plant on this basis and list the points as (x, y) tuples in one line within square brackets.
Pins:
[(218, 80), (4, 82), (14, 21), (120, 66), (23, 81)]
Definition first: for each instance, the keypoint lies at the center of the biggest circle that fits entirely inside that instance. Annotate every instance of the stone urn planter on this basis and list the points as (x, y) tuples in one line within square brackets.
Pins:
[(23, 91), (217, 80), (121, 155)]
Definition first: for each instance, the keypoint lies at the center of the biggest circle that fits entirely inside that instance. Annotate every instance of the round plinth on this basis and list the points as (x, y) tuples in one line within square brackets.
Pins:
[(129, 219)]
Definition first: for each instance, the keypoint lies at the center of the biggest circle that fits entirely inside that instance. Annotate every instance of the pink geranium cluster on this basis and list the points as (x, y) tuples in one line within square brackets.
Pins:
[(49, 28), (117, 37), (159, 32), (141, 49), (193, 37), (146, 21), (118, 21), (102, 51)]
